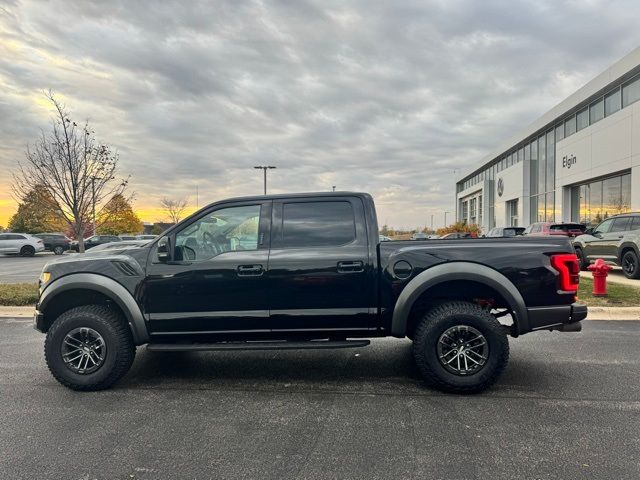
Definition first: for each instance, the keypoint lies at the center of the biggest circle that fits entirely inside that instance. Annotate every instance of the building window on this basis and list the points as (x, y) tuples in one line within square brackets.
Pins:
[(596, 111), (570, 126), (582, 119), (472, 211), (612, 102), (631, 92), (542, 155), (480, 209), (551, 164), (465, 211), (559, 133), (595, 201), (512, 213)]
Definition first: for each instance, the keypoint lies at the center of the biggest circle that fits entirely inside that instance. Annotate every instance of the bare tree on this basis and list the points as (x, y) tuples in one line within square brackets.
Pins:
[(174, 208), (78, 172)]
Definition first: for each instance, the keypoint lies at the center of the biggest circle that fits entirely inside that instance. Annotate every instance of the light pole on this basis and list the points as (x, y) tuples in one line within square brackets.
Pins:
[(432, 222), (264, 168), (445, 218), (334, 188)]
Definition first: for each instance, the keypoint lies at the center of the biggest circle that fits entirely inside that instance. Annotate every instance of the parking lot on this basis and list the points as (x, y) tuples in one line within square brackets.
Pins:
[(16, 269), (567, 407)]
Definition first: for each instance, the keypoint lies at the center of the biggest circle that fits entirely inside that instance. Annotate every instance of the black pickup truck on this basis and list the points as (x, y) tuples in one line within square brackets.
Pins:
[(304, 271)]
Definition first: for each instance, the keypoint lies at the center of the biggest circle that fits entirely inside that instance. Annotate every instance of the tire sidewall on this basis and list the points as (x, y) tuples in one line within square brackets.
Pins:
[(54, 343), (581, 259), (636, 271), (496, 342)]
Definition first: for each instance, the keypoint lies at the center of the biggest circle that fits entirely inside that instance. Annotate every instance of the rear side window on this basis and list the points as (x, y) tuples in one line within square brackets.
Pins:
[(317, 224), (620, 224), (635, 224)]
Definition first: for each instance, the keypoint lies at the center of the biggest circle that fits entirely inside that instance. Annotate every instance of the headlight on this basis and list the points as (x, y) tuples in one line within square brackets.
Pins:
[(45, 277)]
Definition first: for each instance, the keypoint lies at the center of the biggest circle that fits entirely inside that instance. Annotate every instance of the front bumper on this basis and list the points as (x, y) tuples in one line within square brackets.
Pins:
[(541, 318), (38, 320)]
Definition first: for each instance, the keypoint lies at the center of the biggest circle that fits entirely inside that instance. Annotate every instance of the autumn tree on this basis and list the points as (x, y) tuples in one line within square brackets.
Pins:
[(118, 217), (76, 170), (37, 213), (174, 208)]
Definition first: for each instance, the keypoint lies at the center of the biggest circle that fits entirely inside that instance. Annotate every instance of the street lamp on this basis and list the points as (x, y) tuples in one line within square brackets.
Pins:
[(264, 168)]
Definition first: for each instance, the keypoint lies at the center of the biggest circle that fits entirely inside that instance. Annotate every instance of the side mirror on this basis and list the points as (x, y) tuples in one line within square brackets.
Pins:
[(589, 231), (164, 249)]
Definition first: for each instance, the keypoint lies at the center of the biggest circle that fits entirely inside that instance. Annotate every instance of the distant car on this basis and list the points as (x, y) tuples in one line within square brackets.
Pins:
[(119, 245), (565, 229), (145, 237), (95, 241), (21, 243), (419, 236), (384, 238), (433, 236), (616, 240), (451, 236), (55, 242), (505, 232)]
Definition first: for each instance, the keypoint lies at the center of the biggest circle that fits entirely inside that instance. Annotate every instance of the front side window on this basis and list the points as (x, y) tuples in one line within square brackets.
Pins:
[(308, 224), (605, 226), (226, 230)]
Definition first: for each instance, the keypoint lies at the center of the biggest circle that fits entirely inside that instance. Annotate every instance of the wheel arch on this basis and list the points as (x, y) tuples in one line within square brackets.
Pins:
[(86, 288), (458, 272), (625, 247)]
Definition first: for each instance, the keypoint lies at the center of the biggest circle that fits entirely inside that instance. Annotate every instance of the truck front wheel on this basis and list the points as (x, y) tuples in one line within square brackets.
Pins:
[(89, 348), (460, 347)]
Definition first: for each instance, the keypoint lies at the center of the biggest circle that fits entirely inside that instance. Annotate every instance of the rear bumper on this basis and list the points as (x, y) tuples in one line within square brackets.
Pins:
[(541, 318)]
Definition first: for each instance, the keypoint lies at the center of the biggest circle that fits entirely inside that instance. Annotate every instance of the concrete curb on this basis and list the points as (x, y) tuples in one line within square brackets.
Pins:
[(595, 313)]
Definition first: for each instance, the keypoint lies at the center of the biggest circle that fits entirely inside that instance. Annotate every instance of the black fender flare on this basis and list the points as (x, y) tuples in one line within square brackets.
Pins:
[(458, 271), (106, 286)]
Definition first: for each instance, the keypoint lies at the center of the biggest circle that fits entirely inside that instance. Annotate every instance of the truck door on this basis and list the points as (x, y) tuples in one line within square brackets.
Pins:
[(214, 281), (320, 273)]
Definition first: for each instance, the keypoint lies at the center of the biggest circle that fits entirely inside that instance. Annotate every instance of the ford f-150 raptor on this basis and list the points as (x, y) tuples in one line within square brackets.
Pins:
[(304, 271)]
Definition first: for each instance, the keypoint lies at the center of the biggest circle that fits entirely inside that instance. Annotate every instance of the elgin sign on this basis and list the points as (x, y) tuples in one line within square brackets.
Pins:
[(568, 161)]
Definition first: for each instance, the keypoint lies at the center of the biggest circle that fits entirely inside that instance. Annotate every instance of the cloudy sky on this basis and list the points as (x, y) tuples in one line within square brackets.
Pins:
[(384, 97)]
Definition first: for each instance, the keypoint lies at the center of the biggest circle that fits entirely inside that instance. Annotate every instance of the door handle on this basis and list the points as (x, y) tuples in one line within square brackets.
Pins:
[(249, 270), (350, 267)]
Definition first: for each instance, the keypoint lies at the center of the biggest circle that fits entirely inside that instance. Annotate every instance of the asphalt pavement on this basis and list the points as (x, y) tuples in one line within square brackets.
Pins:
[(17, 269), (567, 407)]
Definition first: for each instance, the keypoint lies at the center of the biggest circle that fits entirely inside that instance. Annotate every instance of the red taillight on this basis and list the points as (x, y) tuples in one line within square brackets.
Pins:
[(568, 267)]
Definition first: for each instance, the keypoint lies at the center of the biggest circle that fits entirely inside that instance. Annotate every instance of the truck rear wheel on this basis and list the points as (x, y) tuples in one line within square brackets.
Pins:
[(460, 347), (89, 348)]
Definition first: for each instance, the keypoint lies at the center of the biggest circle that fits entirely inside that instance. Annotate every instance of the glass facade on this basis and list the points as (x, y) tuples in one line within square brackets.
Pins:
[(539, 150), (594, 201)]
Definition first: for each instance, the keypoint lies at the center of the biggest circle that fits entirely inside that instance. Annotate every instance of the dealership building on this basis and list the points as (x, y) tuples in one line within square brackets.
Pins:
[(578, 162)]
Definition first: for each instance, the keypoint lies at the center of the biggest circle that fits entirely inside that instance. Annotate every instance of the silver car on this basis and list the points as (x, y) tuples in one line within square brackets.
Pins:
[(20, 243)]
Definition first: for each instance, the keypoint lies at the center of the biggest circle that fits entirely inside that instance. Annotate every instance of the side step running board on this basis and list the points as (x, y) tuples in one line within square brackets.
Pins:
[(258, 345)]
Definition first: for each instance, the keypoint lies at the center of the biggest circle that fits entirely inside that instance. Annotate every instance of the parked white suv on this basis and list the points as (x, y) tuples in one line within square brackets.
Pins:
[(22, 243)]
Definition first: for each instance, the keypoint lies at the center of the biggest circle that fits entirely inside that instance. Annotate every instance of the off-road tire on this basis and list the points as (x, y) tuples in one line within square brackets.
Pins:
[(27, 251), (630, 255), (120, 349), (58, 250), (582, 260), (441, 318)]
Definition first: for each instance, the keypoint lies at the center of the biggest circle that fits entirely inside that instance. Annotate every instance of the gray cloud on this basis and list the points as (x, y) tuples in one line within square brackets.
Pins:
[(387, 97)]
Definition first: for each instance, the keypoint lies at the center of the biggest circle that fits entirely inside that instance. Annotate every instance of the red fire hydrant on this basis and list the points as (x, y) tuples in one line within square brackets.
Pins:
[(599, 270)]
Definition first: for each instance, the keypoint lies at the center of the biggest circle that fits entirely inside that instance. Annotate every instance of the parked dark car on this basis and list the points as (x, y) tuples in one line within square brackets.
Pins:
[(544, 229), (502, 232), (55, 242), (310, 273), (616, 240), (95, 240)]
